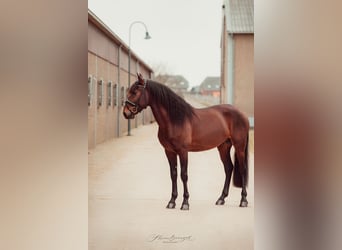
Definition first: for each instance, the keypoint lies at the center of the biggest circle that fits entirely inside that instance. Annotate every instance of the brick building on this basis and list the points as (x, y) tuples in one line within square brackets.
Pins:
[(210, 86), (177, 83), (108, 82), (237, 55)]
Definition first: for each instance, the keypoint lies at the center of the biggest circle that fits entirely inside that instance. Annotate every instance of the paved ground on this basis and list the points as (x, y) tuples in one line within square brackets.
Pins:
[(129, 187)]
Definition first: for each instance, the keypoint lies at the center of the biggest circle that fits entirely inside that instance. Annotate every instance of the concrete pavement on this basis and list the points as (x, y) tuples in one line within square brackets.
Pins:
[(130, 186)]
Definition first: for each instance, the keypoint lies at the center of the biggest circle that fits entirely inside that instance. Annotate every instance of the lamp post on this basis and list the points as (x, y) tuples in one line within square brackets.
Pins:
[(147, 36)]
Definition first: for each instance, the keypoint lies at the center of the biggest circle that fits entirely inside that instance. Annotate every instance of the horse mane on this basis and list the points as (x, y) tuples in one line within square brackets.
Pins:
[(177, 108)]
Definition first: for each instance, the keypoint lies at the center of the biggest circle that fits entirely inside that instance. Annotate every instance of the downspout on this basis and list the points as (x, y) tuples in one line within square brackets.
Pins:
[(95, 106), (230, 55), (118, 88), (143, 111), (230, 70), (137, 70), (223, 55)]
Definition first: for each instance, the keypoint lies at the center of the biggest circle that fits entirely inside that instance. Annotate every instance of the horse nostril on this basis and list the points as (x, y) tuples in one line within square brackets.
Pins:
[(126, 114)]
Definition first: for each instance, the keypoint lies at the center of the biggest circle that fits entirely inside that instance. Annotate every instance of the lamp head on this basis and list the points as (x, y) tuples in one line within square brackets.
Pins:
[(147, 36)]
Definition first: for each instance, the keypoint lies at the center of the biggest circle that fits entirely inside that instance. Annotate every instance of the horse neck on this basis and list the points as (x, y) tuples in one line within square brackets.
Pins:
[(160, 115)]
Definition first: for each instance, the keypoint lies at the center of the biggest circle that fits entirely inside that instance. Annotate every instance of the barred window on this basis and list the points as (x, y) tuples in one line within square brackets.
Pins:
[(122, 96), (99, 93), (109, 94), (90, 90), (115, 95)]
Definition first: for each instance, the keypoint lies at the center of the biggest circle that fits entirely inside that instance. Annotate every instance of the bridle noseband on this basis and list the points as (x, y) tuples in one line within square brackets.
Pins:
[(136, 107)]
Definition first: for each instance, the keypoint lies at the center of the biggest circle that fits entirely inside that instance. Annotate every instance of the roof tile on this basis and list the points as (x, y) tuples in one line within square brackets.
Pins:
[(240, 16)]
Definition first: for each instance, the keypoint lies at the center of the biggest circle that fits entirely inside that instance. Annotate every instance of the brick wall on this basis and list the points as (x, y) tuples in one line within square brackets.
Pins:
[(108, 62)]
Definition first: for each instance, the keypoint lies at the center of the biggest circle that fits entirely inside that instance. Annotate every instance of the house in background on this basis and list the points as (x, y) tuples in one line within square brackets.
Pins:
[(195, 90), (177, 83), (237, 55), (210, 86)]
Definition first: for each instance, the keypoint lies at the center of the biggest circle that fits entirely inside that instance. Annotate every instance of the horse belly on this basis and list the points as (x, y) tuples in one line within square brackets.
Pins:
[(205, 144), (208, 135)]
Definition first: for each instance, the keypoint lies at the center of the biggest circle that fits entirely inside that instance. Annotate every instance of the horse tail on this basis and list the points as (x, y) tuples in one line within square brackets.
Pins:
[(237, 178)]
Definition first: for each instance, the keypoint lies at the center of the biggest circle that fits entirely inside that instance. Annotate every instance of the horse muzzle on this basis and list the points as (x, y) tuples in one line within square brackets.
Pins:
[(128, 114)]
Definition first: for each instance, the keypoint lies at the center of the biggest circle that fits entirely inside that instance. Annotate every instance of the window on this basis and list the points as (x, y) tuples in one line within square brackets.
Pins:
[(99, 93), (109, 94), (122, 96), (90, 90), (115, 95)]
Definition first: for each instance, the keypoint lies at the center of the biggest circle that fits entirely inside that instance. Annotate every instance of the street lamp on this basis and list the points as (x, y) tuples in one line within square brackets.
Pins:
[(147, 36)]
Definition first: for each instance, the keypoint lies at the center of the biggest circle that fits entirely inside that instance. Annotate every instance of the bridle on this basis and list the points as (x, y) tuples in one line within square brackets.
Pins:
[(136, 108)]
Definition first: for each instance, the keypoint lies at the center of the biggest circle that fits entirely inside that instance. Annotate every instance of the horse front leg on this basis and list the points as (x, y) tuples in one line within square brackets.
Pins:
[(183, 158), (172, 158)]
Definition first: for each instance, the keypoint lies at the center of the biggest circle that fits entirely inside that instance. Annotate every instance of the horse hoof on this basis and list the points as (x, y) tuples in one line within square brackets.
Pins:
[(185, 207), (171, 205), (220, 202), (243, 204)]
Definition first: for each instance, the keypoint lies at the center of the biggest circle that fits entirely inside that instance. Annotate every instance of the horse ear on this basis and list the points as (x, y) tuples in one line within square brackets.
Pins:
[(140, 78)]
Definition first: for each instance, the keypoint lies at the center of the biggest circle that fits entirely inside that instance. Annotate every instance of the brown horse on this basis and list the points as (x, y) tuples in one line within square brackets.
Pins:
[(183, 128)]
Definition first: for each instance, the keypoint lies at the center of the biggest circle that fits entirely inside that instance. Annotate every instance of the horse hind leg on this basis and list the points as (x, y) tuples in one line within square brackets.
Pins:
[(224, 150), (241, 170)]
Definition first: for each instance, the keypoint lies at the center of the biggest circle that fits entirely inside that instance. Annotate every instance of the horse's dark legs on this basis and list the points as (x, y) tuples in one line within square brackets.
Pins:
[(241, 157), (183, 158), (172, 158), (224, 150)]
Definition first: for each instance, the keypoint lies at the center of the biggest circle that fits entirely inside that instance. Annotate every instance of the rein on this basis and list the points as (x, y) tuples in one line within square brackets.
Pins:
[(136, 107)]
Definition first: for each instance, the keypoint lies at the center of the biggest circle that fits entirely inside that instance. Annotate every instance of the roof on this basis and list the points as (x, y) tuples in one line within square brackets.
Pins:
[(173, 81), (240, 16), (211, 83), (104, 28), (177, 81)]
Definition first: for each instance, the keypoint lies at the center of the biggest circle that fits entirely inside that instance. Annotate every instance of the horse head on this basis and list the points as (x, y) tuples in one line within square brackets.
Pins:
[(136, 99)]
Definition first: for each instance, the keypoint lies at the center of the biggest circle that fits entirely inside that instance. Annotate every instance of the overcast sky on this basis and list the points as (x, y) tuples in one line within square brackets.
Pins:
[(185, 33)]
